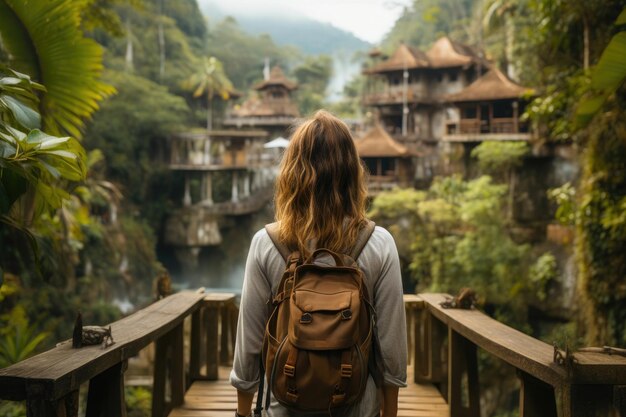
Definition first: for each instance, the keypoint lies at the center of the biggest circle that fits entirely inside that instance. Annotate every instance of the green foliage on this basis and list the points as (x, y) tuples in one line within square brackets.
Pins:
[(607, 76), (12, 409), (459, 239), (243, 55), (601, 229), (34, 168), (138, 402), (495, 157), (45, 41), (131, 129), (18, 339), (424, 21), (565, 198), (208, 81), (313, 76), (141, 36), (542, 273)]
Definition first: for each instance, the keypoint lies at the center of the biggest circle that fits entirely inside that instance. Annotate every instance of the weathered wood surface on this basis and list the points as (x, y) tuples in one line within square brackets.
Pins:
[(524, 352), (219, 399), (62, 369)]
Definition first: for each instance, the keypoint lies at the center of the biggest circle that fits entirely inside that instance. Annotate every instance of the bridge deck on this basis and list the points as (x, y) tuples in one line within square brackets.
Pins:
[(219, 399)]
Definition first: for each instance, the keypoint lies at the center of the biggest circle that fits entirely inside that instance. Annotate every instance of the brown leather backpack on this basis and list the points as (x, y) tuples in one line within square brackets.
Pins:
[(318, 339)]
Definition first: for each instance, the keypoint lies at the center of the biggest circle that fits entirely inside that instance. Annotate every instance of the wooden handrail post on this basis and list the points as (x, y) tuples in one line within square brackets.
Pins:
[(195, 346), (536, 397), (430, 356), (225, 335), (177, 365), (211, 318), (462, 376), (585, 400), (106, 393), (158, 384), (37, 405)]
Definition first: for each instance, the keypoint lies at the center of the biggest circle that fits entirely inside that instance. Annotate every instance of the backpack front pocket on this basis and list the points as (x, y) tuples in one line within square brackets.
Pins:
[(321, 321)]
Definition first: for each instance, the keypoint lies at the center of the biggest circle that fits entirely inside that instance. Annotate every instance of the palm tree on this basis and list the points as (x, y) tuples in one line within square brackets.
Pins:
[(502, 12), (44, 40), (210, 80)]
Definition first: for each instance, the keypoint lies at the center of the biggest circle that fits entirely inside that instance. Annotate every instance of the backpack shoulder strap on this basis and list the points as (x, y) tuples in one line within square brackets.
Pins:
[(362, 239), (272, 231)]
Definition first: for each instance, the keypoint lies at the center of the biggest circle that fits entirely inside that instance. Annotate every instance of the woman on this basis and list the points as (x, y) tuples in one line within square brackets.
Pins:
[(321, 195)]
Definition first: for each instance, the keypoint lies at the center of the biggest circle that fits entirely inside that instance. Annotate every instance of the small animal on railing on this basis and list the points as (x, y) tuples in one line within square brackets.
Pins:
[(90, 335), (163, 286), (565, 358), (466, 299)]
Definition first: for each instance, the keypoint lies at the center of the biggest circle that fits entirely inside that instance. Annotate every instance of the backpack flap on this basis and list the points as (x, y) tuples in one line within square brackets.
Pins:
[(324, 321)]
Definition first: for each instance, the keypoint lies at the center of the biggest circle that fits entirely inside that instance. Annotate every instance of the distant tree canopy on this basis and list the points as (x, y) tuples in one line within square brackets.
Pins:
[(244, 55)]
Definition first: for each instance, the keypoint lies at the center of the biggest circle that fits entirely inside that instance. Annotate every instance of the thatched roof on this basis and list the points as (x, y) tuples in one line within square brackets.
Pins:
[(404, 57), (277, 77), (443, 54), (493, 85), (377, 143)]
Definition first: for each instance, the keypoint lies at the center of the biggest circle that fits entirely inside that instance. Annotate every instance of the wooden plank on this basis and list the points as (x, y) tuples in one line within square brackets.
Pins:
[(219, 398), (514, 347), (599, 368), (63, 369)]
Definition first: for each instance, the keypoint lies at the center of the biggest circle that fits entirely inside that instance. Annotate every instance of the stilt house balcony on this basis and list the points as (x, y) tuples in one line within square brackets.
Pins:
[(218, 151), (489, 109), (475, 130), (394, 94)]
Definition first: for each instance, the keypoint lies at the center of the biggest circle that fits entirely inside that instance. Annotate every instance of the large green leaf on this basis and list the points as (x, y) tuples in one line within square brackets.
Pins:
[(611, 69), (607, 76), (45, 41), (24, 115)]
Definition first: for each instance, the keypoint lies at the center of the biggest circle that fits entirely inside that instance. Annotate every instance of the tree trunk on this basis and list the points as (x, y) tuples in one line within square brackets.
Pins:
[(161, 36), (509, 39), (129, 48), (585, 42), (512, 181)]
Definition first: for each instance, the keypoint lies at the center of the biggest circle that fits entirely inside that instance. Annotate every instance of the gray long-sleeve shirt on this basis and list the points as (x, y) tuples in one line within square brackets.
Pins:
[(264, 268)]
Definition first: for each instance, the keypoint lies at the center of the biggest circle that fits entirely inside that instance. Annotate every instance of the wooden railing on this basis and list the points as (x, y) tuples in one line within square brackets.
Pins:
[(50, 382), (444, 345)]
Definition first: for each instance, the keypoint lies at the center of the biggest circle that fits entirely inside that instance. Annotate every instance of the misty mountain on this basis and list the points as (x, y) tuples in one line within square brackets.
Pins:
[(310, 36)]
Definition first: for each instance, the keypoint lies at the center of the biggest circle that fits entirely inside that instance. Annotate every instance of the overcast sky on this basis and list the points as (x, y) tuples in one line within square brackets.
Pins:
[(367, 19)]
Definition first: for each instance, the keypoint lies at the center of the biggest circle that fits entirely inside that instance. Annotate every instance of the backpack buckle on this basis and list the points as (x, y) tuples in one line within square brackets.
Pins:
[(337, 398), (346, 371), (346, 314), (292, 394), (306, 318), (289, 370)]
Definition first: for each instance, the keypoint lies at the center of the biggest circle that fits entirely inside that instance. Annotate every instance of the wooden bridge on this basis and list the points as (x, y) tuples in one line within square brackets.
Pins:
[(193, 333)]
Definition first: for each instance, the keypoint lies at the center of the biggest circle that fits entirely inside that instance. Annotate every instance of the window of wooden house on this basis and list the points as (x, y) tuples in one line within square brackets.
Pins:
[(468, 112), (503, 109), (454, 76), (388, 166), (372, 165), (440, 78)]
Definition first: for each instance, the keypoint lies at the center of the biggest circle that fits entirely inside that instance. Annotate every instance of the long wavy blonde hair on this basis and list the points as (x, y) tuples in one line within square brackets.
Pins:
[(320, 189)]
